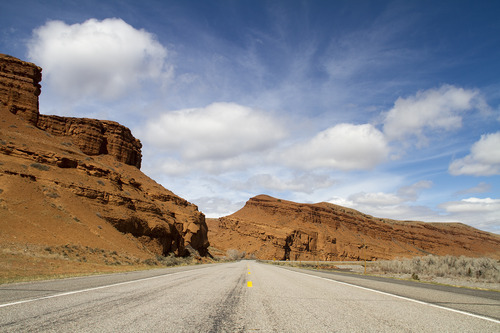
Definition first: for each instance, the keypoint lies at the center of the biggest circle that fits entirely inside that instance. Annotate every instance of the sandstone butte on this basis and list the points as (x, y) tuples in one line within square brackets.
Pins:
[(73, 187), (270, 228)]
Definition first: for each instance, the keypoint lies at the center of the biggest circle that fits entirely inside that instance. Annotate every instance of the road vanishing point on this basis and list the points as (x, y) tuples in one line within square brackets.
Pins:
[(244, 296)]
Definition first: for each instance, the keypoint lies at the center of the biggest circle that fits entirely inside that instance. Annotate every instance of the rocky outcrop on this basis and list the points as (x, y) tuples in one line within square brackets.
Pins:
[(271, 228), (19, 91), (96, 137), (20, 87), (77, 181)]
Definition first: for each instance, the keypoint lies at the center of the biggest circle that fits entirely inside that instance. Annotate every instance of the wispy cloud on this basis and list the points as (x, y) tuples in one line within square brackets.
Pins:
[(482, 187)]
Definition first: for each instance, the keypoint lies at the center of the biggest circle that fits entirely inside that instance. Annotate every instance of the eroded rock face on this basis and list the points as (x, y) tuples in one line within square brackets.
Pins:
[(271, 228), (20, 87), (96, 137), (77, 181), (19, 91)]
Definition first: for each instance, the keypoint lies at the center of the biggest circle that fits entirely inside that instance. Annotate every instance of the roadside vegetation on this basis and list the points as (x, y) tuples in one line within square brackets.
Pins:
[(476, 269), (451, 270)]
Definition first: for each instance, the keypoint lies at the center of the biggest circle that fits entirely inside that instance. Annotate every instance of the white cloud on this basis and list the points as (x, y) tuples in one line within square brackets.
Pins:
[(482, 187), (380, 199), (219, 134), (304, 183), (411, 193), (483, 160), (477, 212), (99, 59), (433, 109), (375, 199), (473, 205), (344, 147), (215, 207)]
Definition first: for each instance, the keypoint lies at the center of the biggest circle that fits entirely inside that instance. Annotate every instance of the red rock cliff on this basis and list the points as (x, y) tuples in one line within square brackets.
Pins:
[(272, 228), (19, 91), (20, 87), (52, 192), (96, 137)]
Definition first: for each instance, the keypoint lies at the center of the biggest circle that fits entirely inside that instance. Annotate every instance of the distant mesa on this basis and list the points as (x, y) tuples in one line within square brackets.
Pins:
[(270, 228)]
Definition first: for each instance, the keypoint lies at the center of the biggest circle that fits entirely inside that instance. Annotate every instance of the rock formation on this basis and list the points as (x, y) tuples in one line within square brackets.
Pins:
[(77, 181), (19, 91), (96, 137), (271, 228), (20, 87)]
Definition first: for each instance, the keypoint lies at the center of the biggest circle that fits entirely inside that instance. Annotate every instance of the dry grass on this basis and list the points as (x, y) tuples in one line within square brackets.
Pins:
[(33, 262), (475, 269)]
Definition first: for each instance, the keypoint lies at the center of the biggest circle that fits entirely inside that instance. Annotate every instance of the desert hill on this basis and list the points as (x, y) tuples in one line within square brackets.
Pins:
[(72, 187), (270, 228)]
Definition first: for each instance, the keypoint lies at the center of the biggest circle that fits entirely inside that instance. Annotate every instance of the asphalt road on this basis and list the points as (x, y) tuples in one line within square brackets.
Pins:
[(243, 297)]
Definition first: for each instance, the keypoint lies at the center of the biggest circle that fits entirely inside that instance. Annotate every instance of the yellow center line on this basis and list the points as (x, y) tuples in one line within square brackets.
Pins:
[(249, 284)]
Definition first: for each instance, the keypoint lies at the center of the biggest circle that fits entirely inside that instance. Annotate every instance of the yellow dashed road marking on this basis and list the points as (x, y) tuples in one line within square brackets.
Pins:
[(249, 284)]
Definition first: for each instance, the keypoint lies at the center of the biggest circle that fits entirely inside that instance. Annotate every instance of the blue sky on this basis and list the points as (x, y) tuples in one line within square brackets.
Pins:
[(388, 107)]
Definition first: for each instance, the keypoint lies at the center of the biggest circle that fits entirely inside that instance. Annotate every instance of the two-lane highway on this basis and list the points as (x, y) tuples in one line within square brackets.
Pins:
[(245, 296)]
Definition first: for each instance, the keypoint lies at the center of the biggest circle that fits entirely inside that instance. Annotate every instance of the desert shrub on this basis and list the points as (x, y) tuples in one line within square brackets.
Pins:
[(483, 269), (172, 260), (233, 254), (40, 166)]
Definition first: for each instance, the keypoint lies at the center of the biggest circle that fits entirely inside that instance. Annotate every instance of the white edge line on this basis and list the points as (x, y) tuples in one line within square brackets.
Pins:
[(92, 289), (402, 297)]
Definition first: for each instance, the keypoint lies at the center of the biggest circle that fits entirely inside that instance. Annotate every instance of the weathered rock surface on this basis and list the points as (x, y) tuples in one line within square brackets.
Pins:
[(96, 137), (76, 181), (270, 228), (20, 87), (19, 91)]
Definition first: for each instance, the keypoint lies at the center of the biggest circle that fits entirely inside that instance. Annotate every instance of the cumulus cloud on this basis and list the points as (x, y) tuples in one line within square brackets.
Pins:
[(103, 59), (480, 213), (343, 147), (483, 160), (216, 133), (433, 109)]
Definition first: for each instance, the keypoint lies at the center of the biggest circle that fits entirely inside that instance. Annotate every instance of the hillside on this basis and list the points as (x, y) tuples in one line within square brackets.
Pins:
[(71, 189), (271, 228)]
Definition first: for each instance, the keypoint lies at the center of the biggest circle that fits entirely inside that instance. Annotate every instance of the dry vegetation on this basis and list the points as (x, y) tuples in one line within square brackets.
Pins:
[(473, 269), (31, 262), (458, 271)]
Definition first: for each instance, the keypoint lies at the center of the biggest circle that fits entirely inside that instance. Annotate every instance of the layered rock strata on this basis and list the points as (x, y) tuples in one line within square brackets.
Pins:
[(271, 228), (20, 87), (96, 137), (19, 91), (77, 181)]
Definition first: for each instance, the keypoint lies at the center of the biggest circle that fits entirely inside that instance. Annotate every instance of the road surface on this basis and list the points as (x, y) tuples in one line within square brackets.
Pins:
[(245, 296)]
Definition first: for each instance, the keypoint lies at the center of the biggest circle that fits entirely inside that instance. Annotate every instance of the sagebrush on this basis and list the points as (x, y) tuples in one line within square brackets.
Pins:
[(480, 269)]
